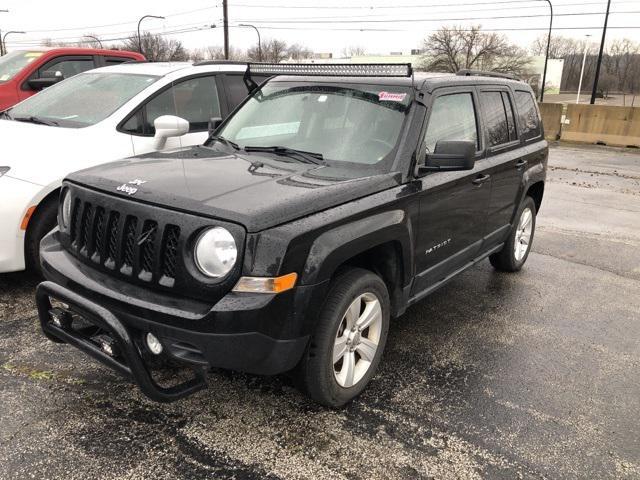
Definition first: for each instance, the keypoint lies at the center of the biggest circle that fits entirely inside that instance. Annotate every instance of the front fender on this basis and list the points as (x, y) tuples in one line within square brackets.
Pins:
[(335, 246)]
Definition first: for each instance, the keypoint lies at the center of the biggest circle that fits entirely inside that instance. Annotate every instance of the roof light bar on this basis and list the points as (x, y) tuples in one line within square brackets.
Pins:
[(334, 69)]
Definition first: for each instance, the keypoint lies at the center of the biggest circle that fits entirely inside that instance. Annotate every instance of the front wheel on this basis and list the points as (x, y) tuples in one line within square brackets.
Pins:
[(517, 247), (346, 347)]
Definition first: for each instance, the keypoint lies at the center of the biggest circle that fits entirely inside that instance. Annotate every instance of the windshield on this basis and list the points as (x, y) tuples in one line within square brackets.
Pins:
[(352, 123), (84, 99), (12, 63)]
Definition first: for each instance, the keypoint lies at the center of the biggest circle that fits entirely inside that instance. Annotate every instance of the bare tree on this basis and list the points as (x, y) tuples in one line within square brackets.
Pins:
[(451, 49), (216, 52), (298, 52), (157, 48), (353, 51), (560, 46), (273, 51)]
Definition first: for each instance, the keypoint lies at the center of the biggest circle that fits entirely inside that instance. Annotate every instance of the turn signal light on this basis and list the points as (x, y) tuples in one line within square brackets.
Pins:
[(27, 217), (266, 284)]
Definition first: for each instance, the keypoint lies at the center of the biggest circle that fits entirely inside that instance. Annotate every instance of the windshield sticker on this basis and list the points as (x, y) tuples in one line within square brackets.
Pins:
[(391, 97), (269, 130), (33, 54), (322, 98)]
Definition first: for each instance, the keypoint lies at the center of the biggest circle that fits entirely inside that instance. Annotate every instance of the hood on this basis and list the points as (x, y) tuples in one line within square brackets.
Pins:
[(257, 191), (42, 154)]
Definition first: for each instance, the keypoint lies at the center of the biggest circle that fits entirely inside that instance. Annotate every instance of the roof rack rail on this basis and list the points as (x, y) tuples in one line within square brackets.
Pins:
[(219, 62), (334, 69), (484, 73)]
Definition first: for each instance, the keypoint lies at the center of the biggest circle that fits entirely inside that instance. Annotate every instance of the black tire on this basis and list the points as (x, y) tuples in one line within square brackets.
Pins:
[(505, 260), (315, 372), (42, 222)]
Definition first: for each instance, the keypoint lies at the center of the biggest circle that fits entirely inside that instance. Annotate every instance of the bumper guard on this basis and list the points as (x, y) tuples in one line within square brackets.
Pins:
[(133, 367)]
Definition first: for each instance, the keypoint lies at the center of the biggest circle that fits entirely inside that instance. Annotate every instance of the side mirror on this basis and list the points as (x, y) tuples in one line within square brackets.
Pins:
[(450, 155), (168, 126), (214, 122), (48, 78)]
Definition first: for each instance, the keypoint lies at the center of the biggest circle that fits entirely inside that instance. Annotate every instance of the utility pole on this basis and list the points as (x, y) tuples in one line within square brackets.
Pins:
[(1, 46), (604, 35), (226, 29), (546, 57)]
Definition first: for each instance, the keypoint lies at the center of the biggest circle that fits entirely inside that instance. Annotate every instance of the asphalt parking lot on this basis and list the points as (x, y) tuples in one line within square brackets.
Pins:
[(529, 375)]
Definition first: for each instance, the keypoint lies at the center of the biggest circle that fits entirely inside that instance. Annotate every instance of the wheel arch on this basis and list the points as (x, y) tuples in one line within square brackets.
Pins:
[(380, 243), (44, 199), (536, 191)]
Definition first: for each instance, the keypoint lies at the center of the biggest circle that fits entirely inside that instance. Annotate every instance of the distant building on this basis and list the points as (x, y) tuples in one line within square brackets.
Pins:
[(535, 70)]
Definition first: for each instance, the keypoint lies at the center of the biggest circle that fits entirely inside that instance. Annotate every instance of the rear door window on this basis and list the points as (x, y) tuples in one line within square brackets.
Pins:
[(498, 117), (527, 115)]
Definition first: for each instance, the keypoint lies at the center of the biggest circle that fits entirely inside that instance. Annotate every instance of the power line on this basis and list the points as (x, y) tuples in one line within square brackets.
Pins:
[(414, 20), (538, 6), (339, 7), (374, 7)]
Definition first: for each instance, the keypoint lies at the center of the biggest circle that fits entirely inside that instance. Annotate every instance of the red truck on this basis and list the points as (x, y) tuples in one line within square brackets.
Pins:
[(25, 72)]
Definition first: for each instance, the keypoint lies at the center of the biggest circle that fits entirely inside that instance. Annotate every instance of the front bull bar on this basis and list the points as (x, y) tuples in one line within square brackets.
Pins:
[(133, 368)]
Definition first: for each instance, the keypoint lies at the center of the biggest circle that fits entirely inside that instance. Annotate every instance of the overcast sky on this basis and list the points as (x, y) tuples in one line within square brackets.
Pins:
[(378, 26)]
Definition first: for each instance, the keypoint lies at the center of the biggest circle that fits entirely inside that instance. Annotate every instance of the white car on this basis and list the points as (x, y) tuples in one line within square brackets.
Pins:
[(98, 116)]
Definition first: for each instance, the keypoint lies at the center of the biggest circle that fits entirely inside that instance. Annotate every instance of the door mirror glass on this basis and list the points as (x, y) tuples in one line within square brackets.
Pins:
[(167, 126), (450, 155), (214, 123), (49, 77)]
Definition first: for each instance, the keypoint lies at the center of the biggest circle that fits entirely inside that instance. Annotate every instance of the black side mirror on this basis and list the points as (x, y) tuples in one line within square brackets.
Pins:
[(448, 156), (48, 78), (214, 123)]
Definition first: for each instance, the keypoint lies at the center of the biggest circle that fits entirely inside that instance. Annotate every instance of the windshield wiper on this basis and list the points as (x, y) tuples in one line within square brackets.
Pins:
[(6, 115), (37, 120), (221, 139), (309, 157)]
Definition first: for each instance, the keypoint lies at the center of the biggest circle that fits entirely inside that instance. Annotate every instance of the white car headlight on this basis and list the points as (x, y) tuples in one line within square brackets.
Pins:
[(215, 252), (66, 209)]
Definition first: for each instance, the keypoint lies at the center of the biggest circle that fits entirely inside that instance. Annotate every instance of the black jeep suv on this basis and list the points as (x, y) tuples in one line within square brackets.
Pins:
[(332, 199)]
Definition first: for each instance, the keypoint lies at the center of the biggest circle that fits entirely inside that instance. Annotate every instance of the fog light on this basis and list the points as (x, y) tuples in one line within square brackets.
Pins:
[(60, 318), (107, 344), (154, 344)]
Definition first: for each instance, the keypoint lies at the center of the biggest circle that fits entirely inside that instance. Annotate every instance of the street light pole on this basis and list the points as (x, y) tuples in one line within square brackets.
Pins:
[(139, 22), (3, 40), (95, 38), (259, 42), (604, 34), (584, 60), (546, 58)]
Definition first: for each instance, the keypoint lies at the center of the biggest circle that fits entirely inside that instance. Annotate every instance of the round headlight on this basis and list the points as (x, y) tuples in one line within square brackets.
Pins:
[(216, 252), (66, 209)]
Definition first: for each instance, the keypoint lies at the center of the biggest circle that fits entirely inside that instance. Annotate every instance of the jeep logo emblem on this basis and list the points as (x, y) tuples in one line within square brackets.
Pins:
[(128, 189)]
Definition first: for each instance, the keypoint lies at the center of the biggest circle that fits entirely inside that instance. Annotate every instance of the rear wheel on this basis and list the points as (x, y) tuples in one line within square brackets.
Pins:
[(347, 345), (42, 222), (516, 250)]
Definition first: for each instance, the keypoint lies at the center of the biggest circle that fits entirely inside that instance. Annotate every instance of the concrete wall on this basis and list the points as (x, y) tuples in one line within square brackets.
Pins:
[(551, 114), (584, 123), (618, 126)]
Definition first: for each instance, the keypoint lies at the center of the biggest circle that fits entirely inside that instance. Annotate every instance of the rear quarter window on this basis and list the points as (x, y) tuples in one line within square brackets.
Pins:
[(527, 115)]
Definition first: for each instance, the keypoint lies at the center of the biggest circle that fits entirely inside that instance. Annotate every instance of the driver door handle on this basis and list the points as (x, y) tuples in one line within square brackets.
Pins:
[(479, 180), (521, 163)]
